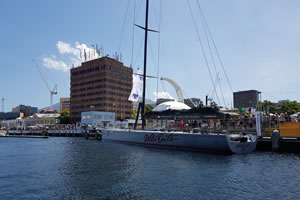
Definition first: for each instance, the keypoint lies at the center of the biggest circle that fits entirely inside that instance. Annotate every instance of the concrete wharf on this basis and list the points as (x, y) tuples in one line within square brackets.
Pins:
[(62, 133)]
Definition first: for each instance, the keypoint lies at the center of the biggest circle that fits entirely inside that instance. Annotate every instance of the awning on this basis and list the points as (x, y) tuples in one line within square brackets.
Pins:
[(192, 114)]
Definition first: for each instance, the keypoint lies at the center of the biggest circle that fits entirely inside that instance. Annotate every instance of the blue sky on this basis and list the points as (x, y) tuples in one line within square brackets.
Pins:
[(258, 42)]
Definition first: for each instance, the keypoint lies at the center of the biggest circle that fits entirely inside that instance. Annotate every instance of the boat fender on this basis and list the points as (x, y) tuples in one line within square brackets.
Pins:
[(275, 140)]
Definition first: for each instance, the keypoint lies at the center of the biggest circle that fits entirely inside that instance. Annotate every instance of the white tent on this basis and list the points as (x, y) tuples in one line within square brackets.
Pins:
[(296, 115), (171, 105)]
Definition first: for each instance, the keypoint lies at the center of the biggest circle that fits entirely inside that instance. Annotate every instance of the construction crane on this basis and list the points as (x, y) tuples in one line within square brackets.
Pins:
[(177, 88), (53, 91)]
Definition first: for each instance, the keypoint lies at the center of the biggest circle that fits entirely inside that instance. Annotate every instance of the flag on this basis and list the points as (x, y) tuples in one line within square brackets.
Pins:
[(135, 94), (137, 81)]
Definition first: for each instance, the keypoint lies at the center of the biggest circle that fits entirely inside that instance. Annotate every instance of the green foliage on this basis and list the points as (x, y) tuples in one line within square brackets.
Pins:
[(134, 112), (263, 106), (0, 124), (65, 117), (148, 108), (290, 107)]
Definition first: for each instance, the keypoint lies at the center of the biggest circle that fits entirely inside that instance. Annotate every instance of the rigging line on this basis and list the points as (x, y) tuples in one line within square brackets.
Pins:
[(134, 5), (123, 28), (158, 53), (139, 8), (203, 52), (155, 14), (215, 47), (212, 58), (138, 53), (212, 90), (152, 54), (189, 98), (190, 81), (163, 86), (218, 77)]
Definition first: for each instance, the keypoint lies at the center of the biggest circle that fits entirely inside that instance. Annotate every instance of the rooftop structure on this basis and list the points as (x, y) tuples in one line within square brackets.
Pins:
[(26, 110), (246, 99)]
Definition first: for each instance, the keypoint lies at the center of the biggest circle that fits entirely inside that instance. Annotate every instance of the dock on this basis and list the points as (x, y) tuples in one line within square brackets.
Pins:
[(285, 144), (58, 133), (25, 136)]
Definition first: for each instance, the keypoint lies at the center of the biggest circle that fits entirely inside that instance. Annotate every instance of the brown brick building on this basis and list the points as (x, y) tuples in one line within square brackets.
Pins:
[(64, 104), (103, 84)]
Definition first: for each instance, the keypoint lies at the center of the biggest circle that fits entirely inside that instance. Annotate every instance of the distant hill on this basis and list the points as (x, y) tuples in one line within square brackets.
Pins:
[(55, 107), (149, 101)]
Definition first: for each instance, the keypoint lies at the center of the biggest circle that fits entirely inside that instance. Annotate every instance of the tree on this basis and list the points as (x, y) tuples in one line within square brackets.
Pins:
[(290, 107), (65, 117), (148, 108), (134, 112), (265, 104)]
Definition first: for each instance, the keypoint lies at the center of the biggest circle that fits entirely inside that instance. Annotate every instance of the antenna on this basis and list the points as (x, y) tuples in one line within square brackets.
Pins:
[(2, 104)]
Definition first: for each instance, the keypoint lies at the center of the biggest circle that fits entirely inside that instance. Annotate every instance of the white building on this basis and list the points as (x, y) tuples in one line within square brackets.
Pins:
[(97, 118), (41, 119)]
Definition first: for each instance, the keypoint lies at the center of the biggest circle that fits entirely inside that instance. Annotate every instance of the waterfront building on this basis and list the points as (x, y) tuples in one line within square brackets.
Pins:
[(41, 119), (103, 84), (246, 99), (26, 110), (64, 104), (8, 115), (193, 102), (97, 118)]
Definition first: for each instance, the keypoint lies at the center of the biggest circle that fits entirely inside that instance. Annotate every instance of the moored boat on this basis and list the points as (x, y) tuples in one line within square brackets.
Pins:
[(211, 142), (221, 141)]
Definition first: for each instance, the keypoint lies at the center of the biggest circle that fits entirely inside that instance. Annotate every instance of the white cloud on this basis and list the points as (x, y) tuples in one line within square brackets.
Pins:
[(72, 55), (52, 63), (65, 48), (162, 95)]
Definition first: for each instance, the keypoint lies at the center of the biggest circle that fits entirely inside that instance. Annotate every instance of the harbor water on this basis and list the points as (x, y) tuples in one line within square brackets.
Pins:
[(75, 168)]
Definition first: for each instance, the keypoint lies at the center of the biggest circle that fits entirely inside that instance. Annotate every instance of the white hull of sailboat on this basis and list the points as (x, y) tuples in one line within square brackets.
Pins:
[(220, 143)]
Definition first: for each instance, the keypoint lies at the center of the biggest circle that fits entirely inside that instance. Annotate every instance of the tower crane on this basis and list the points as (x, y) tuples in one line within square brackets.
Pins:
[(177, 88), (53, 91)]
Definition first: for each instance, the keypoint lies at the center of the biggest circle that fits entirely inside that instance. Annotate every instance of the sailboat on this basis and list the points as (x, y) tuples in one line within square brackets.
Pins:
[(220, 142)]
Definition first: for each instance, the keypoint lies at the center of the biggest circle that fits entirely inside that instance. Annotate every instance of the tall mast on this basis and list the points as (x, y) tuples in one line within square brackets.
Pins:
[(145, 64)]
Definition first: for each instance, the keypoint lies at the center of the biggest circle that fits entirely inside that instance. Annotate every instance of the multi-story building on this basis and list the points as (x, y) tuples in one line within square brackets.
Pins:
[(8, 115), (246, 99), (26, 110), (103, 84), (64, 104)]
